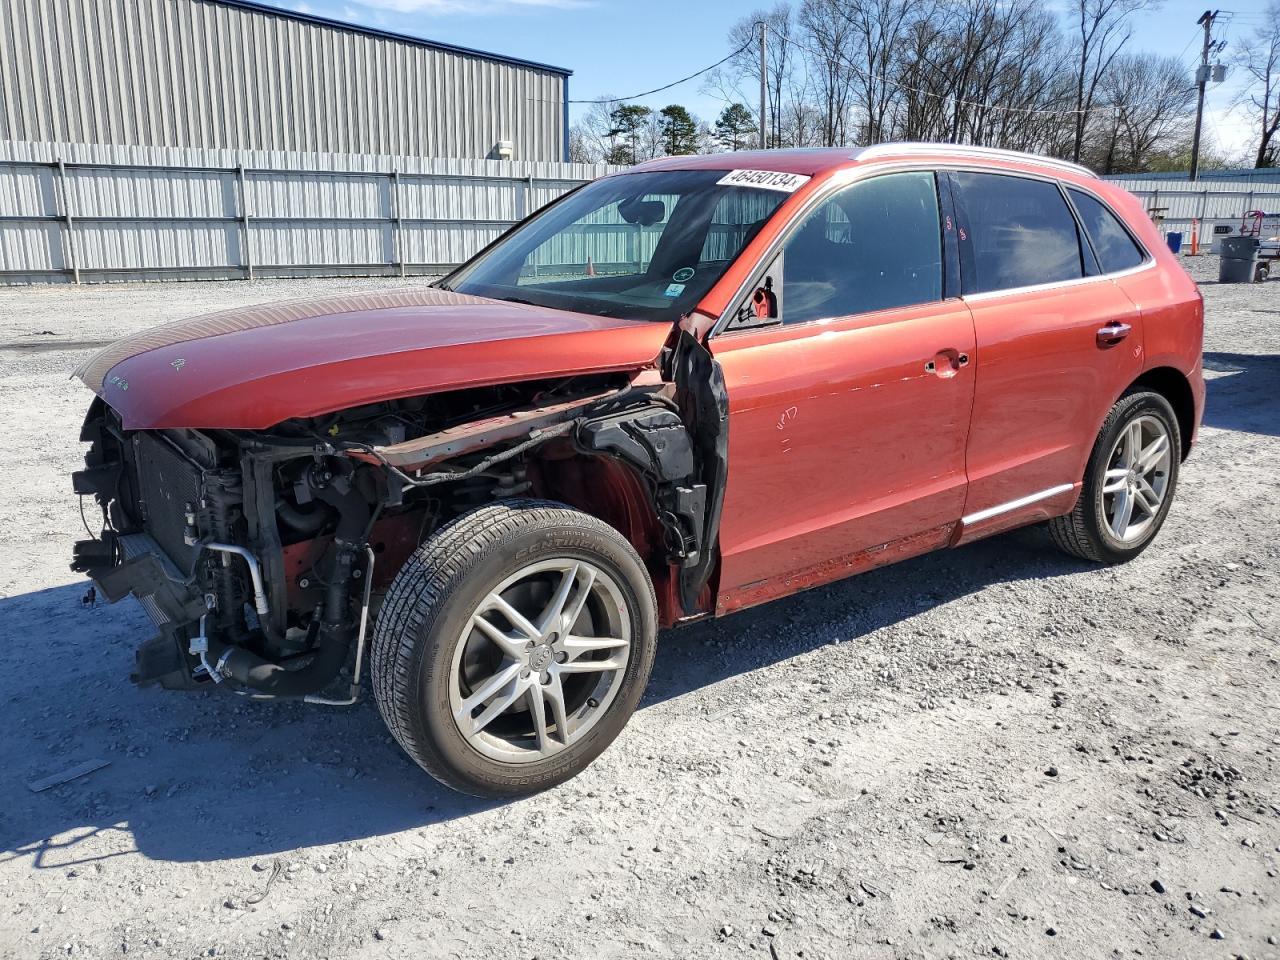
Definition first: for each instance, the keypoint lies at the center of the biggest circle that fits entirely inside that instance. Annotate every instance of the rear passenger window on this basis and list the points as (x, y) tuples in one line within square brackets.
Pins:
[(1115, 249), (875, 244), (1018, 233)]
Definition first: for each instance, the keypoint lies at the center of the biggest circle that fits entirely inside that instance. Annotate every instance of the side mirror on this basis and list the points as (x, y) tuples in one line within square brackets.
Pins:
[(760, 310), (763, 301)]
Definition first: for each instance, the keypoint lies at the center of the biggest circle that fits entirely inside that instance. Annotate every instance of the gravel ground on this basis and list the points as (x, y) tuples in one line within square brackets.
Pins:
[(994, 751)]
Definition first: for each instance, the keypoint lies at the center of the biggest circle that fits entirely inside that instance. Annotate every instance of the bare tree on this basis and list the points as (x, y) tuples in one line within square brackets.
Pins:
[(1260, 59), (801, 122), (828, 39), (1150, 98), (993, 72), (879, 29), (1102, 28), (594, 137), (987, 72)]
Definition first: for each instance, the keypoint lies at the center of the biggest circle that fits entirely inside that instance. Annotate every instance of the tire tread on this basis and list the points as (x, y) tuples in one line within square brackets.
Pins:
[(1073, 533), (417, 595)]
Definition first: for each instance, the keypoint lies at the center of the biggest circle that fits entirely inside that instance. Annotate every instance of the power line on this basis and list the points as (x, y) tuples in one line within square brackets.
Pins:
[(674, 83), (1183, 52)]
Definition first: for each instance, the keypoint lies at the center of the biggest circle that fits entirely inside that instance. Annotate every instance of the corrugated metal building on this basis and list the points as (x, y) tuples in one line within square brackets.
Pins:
[(239, 75)]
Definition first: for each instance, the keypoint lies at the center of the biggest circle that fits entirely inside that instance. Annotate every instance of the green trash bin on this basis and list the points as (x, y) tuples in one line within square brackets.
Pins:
[(1239, 262)]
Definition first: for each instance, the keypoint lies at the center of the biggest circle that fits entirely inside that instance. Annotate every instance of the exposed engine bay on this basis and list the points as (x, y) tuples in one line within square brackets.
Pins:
[(261, 555)]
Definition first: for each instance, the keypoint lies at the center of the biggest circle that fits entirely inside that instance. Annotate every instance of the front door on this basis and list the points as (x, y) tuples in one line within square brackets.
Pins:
[(848, 420)]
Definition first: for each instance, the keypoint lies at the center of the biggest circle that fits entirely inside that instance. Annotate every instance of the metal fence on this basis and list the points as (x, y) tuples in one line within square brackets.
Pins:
[(89, 214), (1212, 205)]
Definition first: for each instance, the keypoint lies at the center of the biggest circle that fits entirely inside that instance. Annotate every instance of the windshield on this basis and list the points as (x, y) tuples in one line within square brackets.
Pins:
[(646, 246)]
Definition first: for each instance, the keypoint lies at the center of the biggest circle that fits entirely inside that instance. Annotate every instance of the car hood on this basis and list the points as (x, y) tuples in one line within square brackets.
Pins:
[(252, 368)]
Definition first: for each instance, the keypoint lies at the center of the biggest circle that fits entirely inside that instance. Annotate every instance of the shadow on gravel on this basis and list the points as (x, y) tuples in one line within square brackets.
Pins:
[(1246, 393), (212, 776)]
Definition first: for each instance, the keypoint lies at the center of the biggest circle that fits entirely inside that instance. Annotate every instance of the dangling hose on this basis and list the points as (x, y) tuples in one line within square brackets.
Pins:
[(334, 638)]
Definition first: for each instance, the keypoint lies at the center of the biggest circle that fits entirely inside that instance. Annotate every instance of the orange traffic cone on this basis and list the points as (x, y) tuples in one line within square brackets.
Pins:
[(591, 267), (1195, 238)]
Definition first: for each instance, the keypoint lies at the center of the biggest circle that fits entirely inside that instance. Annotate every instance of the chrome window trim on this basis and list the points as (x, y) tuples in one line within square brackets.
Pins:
[(993, 153), (1055, 285), (1010, 506)]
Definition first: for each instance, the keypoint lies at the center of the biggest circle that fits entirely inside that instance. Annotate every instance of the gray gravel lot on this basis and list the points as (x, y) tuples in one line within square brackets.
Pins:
[(994, 751)]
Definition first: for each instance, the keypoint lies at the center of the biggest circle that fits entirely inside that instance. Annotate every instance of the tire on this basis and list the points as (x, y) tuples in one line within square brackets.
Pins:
[(1090, 530), (429, 659)]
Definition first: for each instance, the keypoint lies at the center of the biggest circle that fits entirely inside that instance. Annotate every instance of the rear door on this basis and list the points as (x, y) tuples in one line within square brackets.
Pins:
[(1057, 342), (848, 419)]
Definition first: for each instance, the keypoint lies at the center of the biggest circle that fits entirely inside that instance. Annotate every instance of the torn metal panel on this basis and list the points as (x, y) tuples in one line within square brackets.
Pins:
[(517, 424)]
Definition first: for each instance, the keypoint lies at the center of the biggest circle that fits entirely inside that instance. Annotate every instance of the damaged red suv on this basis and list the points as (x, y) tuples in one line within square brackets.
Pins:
[(673, 393)]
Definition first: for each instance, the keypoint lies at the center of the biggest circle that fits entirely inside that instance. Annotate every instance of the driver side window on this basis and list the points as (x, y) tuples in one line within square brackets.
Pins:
[(875, 244)]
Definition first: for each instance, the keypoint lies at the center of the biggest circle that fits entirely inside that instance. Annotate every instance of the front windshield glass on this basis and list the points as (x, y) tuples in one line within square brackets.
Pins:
[(644, 246)]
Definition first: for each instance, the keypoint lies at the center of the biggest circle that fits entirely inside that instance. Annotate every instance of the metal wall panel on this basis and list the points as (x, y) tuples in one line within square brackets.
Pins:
[(102, 192), (212, 74), (92, 213), (317, 243), (144, 246), (89, 212), (1204, 203), (27, 191), (30, 250)]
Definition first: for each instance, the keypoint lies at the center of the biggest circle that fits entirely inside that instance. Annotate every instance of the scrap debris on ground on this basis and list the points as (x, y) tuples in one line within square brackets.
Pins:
[(994, 751)]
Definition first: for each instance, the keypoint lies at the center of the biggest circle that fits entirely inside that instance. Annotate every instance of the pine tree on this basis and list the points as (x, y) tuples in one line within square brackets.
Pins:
[(679, 131), (735, 127), (627, 120)]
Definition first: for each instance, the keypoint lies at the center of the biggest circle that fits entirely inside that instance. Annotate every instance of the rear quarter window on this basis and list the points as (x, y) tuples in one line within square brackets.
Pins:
[(1016, 232), (1114, 247)]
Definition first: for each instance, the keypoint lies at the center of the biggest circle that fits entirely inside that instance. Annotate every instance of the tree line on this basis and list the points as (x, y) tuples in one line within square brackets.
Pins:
[(627, 133), (1000, 73)]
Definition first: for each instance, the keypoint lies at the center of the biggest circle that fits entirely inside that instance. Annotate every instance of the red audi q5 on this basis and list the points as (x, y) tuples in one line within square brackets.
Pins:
[(673, 393)]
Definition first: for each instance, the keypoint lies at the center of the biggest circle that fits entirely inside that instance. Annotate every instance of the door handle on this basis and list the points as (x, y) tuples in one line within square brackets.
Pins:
[(946, 362), (1112, 333)]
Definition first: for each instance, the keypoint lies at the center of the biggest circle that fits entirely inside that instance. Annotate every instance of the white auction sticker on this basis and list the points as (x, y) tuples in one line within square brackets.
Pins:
[(764, 180)]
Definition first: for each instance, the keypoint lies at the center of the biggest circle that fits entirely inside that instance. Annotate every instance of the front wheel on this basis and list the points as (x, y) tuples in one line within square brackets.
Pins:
[(513, 646), (1128, 485)]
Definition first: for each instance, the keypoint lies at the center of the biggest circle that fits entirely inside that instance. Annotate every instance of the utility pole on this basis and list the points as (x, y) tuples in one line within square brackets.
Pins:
[(764, 125), (1109, 168), (1202, 80)]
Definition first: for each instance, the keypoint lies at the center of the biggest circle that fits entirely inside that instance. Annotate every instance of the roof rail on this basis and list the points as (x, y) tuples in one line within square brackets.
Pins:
[(934, 149)]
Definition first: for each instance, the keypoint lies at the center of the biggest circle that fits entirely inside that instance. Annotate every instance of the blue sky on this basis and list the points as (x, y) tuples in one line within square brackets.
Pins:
[(620, 47)]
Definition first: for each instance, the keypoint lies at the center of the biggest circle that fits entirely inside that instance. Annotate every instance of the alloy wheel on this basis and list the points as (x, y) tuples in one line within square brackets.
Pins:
[(1137, 479), (540, 660)]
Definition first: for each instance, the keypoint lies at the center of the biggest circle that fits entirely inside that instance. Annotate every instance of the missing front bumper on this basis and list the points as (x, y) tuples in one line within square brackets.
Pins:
[(173, 602)]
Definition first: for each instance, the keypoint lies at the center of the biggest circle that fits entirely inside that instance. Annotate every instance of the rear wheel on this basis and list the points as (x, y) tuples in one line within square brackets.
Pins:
[(513, 646), (1128, 485)]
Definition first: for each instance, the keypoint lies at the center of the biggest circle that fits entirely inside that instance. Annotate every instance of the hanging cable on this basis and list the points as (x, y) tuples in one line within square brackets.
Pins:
[(674, 83)]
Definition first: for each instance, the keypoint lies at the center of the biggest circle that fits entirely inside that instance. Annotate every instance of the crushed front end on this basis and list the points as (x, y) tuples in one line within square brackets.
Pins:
[(258, 553), (243, 550)]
